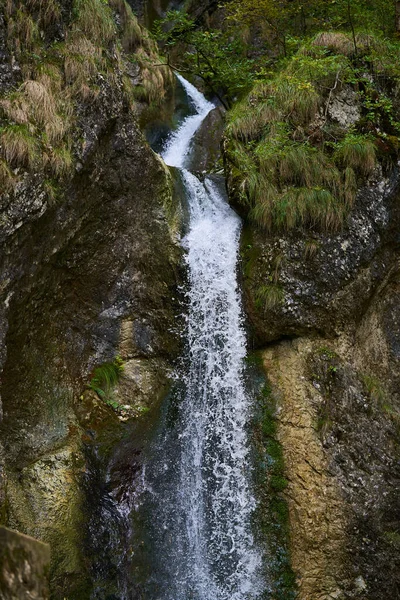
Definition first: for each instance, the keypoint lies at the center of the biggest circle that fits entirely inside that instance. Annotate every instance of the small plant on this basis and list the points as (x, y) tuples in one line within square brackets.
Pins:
[(393, 538), (311, 248), (270, 296), (105, 378)]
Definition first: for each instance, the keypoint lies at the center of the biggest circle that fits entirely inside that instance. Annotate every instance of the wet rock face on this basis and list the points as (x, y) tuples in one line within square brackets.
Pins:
[(339, 429), (206, 151), (303, 283), (338, 383), (75, 274)]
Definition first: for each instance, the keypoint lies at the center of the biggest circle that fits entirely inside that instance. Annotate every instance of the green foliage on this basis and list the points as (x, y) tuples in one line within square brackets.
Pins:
[(215, 56), (105, 378), (292, 167), (279, 20)]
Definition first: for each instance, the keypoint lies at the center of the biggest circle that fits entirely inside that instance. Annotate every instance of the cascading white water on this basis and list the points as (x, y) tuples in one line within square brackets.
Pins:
[(198, 480)]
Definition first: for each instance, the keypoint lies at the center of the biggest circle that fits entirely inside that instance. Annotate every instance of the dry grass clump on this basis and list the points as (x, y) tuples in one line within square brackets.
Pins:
[(249, 125), (154, 79), (339, 43), (43, 104), (23, 32), (95, 21), (6, 177), (60, 161), (358, 153), (299, 207), (287, 98), (19, 147), (82, 62), (49, 11), (131, 33)]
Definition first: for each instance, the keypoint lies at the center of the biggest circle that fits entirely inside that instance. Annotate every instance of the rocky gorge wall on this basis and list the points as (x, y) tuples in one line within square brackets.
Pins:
[(87, 277), (94, 275), (329, 343)]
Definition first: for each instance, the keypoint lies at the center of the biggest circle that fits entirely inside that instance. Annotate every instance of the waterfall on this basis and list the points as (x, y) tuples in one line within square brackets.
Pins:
[(197, 492)]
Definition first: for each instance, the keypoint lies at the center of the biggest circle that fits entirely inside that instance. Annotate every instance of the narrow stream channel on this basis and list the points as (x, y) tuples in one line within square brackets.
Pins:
[(196, 503)]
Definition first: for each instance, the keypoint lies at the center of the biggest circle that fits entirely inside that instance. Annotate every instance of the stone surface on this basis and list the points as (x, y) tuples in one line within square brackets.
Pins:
[(206, 150), (325, 281), (74, 273), (339, 414), (24, 565), (317, 511), (78, 274)]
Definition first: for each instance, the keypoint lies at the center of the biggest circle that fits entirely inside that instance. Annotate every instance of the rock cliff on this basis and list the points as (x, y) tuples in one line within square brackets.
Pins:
[(88, 273)]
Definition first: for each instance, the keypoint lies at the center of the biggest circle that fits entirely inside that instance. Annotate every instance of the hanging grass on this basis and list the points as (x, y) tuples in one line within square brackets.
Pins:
[(19, 147), (269, 296), (60, 161), (6, 177), (106, 377), (289, 164), (357, 152), (23, 32), (131, 32), (94, 19)]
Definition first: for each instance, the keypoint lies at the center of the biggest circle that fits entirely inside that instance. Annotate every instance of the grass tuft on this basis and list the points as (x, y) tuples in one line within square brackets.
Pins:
[(290, 166), (94, 19), (358, 153), (6, 177), (339, 43), (132, 34), (19, 147), (106, 377), (270, 296)]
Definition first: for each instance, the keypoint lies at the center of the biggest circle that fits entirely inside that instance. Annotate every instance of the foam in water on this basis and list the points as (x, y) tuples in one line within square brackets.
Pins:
[(177, 149), (198, 481)]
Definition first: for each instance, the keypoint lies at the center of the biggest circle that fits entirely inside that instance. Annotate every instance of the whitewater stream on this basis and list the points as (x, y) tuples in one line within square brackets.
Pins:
[(195, 504)]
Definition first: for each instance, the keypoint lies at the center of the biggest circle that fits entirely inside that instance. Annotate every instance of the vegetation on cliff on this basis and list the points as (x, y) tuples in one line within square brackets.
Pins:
[(294, 156), (67, 60), (292, 159)]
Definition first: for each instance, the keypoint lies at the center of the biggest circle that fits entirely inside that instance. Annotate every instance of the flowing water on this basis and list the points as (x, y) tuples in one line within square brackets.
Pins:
[(196, 502)]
